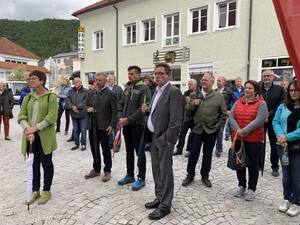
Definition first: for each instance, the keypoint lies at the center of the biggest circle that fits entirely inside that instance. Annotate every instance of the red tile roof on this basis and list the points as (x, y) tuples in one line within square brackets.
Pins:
[(10, 48), (9, 65), (97, 5)]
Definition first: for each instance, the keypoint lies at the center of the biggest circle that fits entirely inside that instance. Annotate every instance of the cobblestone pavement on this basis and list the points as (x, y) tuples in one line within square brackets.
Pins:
[(79, 201)]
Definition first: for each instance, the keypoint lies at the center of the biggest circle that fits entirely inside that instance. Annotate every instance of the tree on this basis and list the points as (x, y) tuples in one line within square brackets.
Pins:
[(18, 74)]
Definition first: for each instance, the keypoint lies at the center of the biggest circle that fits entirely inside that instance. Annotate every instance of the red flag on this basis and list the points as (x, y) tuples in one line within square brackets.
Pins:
[(288, 13)]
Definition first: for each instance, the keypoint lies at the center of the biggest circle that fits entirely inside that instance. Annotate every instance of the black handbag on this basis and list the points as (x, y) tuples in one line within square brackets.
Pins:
[(236, 158)]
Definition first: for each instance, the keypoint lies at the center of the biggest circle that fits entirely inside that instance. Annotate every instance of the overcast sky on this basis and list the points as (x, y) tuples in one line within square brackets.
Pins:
[(40, 9)]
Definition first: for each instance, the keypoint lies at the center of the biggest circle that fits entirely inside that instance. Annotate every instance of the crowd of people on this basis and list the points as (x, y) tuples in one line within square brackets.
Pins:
[(150, 116)]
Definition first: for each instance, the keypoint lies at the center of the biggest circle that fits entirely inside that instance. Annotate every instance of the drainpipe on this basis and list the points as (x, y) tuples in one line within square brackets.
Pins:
[(249, 39), (117, 41)]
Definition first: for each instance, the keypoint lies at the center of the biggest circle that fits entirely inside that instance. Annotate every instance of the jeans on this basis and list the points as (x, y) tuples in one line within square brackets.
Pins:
[(61, 110), (79, 126), (133, 137), (219, 143), (272, 138), (97, 137), (46, 160), (185, 128), (253, 154), (291, 177), (208, 141)]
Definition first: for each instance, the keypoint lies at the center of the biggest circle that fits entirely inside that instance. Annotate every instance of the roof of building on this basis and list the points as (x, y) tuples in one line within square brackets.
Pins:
[(66, 54), (10, 48), (97, 5), (9, 65)]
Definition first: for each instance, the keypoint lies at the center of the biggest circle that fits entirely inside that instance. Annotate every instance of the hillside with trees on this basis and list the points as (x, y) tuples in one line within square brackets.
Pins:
[(44, 38)]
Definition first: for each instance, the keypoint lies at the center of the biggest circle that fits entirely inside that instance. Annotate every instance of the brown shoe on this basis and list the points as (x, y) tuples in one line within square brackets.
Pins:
[(106, 177), (92, 174), (206, 181)]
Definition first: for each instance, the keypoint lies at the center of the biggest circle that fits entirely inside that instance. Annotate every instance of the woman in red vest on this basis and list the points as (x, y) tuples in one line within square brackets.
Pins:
[(247, 118)]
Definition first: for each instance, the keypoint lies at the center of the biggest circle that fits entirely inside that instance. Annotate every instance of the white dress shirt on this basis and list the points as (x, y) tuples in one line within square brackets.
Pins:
[(159, 92)]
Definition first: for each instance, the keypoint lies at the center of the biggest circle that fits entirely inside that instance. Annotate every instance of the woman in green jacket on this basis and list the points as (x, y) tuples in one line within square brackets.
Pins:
[(37, 117)]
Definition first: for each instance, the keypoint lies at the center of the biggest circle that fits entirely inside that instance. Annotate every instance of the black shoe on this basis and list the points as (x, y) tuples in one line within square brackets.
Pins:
[(187, 181), (152, 205), (275, 172), (206, 181), (147, 148), (75, 147), (83, 147), (157, 214), (177, 152), (187, 154), (8, 139), (70, 140), (57, 131)]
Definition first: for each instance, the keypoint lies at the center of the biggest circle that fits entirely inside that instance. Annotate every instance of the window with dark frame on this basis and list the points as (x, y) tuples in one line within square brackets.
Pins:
[(199, 20)]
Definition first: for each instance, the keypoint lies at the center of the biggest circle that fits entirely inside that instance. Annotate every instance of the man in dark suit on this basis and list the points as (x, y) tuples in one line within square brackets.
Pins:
[(164, 122)]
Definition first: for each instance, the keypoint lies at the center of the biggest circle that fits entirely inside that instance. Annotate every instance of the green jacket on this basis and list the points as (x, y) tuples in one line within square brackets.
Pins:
[(210, 115), (48, 108)]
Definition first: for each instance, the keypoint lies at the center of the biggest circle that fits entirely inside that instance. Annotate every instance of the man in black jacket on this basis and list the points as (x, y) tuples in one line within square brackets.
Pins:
[(226, 92), (103, 106), (77, 103), (132, 119), (273, 95)]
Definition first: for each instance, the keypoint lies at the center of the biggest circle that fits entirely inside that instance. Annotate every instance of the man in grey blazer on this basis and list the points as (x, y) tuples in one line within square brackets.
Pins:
[(163, 123)]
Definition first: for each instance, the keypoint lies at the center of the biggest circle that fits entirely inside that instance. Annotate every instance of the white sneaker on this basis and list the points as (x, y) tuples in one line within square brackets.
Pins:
[(239, 192), (284, 206), (293, 210), (250, 195)]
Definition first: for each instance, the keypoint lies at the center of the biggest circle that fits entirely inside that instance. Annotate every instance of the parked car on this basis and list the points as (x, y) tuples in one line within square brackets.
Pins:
[(16, 87)]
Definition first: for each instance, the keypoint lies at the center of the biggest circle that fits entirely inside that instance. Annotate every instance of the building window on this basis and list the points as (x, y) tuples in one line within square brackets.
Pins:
[(198, 20), (227, 14), (171, 30), (281, 66), (148, 28), (98, 40), (196, 71), (130, 32), (58, 60)]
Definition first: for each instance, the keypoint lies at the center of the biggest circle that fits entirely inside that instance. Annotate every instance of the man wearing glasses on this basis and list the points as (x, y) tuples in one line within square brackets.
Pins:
[(273, 95)]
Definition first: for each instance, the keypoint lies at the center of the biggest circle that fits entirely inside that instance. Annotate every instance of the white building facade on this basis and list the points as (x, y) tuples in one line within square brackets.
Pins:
[(235, 38)]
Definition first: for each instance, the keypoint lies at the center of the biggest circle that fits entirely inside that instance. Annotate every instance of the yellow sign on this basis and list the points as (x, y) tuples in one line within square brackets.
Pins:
[(81, 29), (170, 57)]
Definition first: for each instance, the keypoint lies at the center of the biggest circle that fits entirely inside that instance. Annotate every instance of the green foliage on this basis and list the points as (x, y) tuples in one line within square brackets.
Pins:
[(44, 38), (18, 73)]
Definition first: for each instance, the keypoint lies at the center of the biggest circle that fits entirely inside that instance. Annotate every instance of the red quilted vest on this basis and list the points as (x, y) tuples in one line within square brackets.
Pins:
[(245, 113)]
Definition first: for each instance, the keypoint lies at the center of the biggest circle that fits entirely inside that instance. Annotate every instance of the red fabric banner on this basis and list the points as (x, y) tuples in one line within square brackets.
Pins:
[(288, 13)]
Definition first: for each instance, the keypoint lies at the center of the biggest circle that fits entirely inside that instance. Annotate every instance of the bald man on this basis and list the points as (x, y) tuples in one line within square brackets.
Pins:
[(188, 119), (225, 92)]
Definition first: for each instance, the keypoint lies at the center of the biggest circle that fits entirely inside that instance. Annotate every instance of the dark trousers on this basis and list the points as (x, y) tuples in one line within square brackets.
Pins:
[(97, 137), (181, 140), (291, 177), (253, 154), (5, 120), (61, 110), (219, 142), (133, 136), (208, 141), (162, 169), (46, 161), (272, 138)]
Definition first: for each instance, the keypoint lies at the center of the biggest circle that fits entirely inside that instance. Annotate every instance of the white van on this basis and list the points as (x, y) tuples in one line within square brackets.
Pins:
[(16, 87)]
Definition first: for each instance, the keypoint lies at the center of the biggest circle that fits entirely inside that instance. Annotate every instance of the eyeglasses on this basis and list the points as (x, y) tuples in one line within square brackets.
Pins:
[(294, 90)]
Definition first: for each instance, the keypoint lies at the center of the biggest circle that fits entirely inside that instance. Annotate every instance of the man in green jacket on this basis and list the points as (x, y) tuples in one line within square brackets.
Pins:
[(210, 115)]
